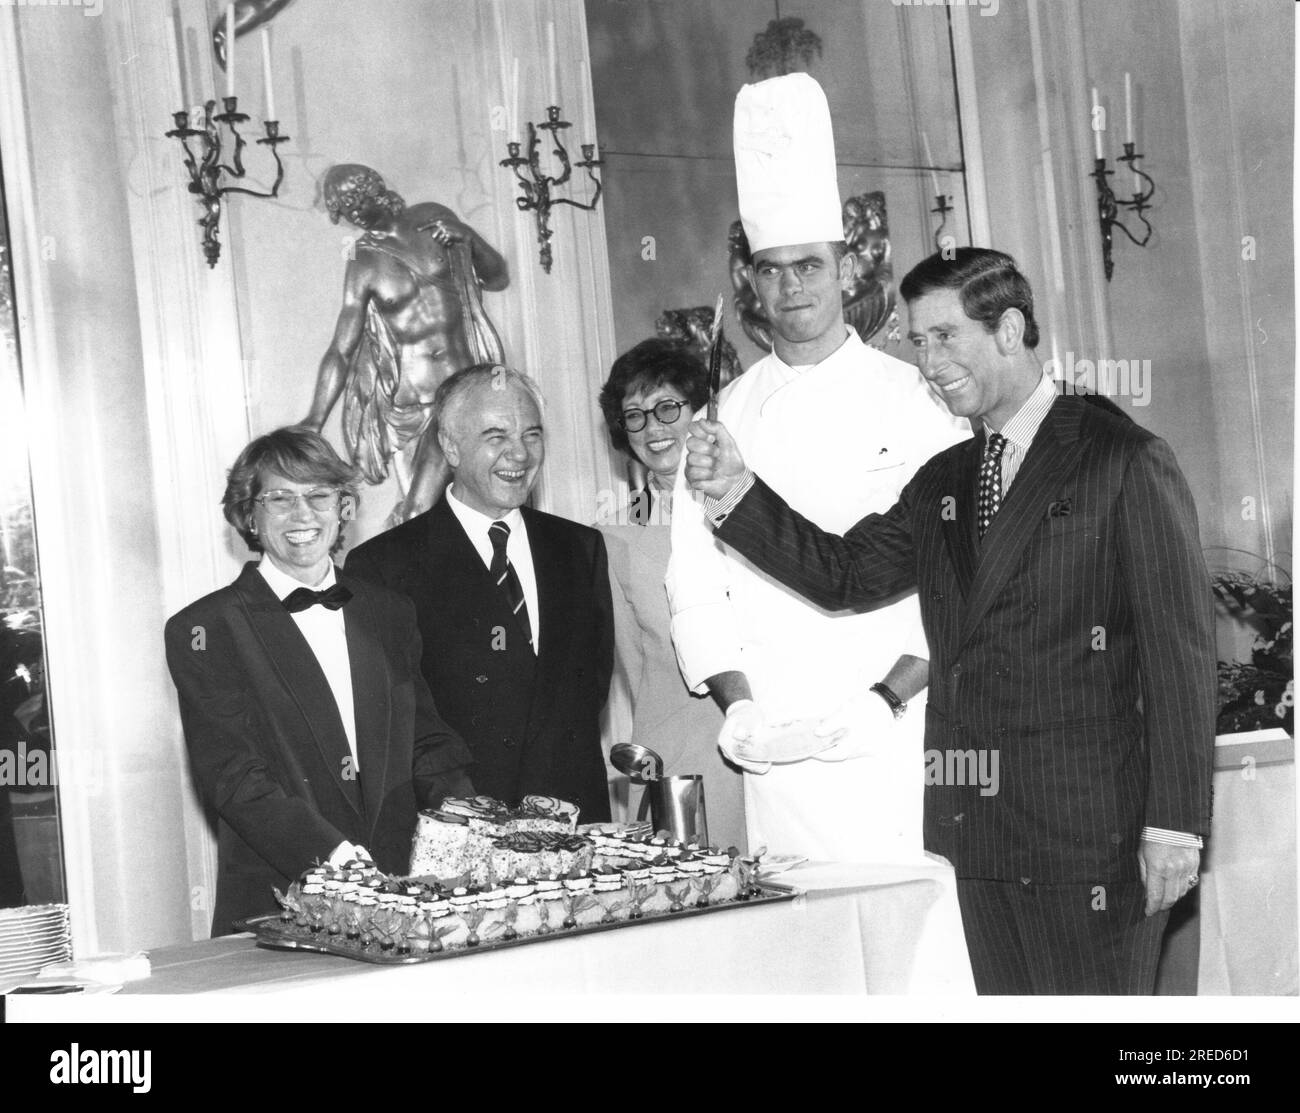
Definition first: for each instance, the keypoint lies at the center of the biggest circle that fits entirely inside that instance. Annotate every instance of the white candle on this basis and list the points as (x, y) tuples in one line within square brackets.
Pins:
[(586, 92), (1128, 108), (929, 161), (175, 47), (230, 50), (266, 74), (552, 70), (1094, 122), (514, 100)]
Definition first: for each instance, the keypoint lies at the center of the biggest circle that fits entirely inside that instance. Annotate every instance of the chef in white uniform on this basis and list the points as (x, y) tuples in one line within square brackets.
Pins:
[(837, 429)]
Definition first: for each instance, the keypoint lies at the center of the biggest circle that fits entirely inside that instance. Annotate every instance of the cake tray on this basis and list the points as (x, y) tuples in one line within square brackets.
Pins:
[(271, 933)]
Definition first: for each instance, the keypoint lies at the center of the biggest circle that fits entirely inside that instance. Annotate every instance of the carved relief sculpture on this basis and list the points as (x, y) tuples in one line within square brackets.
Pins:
[(694, 326)]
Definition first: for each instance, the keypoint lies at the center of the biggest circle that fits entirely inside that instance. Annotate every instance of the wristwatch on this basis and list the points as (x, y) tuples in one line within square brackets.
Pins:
[(897, 706)]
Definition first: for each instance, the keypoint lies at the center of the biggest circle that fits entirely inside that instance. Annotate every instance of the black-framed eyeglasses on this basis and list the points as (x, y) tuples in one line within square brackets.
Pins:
[(280, 504), (666, 412)]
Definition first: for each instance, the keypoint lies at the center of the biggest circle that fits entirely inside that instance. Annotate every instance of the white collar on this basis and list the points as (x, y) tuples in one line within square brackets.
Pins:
[(1021, 429), (282, 583), (852, 342), (475, 521)]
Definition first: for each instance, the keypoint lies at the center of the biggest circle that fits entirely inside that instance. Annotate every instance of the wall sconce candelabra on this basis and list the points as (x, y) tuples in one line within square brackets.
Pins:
[(209, 175), (1109, 205), (206, 170), (537, 186)]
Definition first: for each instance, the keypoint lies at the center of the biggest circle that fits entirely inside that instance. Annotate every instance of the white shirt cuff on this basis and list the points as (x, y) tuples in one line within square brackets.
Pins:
[(1172, 838), (717, 510)]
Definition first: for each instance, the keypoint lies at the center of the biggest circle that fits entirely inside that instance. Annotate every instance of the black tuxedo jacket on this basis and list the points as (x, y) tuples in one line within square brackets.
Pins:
[(1076, 640), (531, 721), (266, 741)]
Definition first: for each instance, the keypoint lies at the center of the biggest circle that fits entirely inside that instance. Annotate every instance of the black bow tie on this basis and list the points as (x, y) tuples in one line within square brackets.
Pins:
[(300, 598)]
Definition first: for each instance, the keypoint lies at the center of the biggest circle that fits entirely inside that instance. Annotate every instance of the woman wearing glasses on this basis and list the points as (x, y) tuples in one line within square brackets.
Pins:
[(648, 401), (311, 732)]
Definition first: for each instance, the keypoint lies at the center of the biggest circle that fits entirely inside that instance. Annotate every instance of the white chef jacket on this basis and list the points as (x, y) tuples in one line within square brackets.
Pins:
[(838, 440)]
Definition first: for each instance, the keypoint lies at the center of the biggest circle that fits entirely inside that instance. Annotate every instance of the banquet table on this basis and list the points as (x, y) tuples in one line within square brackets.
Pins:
[(853, 929)]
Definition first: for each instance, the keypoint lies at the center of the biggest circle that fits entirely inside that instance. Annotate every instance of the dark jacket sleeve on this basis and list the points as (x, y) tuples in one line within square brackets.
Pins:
[(441, 760), (605, 619), (867, 567), (1168, 589), (225, 736)]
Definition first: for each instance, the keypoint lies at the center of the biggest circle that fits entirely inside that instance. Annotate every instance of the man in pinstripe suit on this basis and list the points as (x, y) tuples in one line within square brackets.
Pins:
[(1070, 623)]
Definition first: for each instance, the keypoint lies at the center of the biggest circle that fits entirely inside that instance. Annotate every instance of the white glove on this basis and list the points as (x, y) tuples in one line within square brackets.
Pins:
[(743, 724), (862, 727)]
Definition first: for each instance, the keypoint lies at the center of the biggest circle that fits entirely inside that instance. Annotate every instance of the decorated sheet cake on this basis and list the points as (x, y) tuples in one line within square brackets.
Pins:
[(482, 873)]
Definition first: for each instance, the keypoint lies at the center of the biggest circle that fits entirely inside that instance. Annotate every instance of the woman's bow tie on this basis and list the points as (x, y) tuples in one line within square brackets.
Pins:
[(300, 598)]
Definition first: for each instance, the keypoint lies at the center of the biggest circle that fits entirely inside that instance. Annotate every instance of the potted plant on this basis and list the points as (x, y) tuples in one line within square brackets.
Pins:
[(1258, 693)]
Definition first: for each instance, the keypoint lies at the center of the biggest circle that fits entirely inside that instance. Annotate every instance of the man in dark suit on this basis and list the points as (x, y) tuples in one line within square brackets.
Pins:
[(513, 604), (1070, 728), (309, 727)]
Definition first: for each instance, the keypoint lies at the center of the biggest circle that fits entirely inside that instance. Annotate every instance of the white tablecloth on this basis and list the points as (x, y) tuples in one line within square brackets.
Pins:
[(856, 929), (1248, 876)]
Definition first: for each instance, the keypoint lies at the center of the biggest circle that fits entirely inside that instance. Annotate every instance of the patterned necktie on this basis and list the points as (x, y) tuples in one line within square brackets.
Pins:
[(302, 598), (503, 572), (990, 482)]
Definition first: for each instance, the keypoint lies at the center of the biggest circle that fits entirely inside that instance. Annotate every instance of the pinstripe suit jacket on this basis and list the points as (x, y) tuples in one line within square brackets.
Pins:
[(1076, 640)]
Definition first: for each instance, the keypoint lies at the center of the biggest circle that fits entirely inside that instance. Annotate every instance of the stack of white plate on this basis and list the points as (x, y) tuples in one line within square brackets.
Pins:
[(33, 937)]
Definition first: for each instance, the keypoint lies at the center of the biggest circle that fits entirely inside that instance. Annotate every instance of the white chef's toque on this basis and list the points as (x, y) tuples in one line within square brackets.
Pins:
[(785, 163)]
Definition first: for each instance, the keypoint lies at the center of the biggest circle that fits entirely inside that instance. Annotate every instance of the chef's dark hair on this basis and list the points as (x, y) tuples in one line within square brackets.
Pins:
[(987, 281), (837, 248)]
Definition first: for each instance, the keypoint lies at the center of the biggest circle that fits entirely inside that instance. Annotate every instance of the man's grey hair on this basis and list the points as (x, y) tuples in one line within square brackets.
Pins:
[(449, 399)]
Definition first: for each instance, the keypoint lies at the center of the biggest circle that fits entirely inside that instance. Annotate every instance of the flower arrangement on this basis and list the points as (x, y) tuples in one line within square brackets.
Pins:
[(1260, 692)]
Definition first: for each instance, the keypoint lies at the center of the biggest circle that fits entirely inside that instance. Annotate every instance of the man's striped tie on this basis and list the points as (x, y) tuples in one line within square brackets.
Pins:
[(503, 572)]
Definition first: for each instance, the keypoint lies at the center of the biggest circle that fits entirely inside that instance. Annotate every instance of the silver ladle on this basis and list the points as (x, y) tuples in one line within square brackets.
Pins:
[(641, 764)]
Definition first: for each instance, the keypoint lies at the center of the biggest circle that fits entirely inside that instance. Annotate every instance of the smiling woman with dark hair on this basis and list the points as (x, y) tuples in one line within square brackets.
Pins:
[(311, 733), (648, 400)]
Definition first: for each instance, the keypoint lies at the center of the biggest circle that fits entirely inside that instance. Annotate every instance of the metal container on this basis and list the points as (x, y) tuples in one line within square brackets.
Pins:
[(677, 806)]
